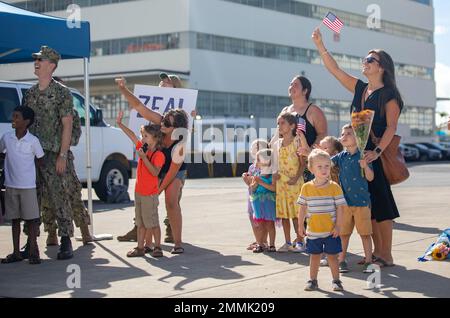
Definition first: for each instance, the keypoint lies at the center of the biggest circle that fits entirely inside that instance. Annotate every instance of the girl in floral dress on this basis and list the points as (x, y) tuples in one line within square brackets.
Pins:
[(289, 180)]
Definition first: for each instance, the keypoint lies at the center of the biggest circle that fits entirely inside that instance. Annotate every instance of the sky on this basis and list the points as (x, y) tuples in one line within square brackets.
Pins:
[(442, 42)]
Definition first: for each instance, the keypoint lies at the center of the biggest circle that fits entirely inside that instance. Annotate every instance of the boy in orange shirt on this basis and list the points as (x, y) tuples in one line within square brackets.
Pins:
[(146, 201)]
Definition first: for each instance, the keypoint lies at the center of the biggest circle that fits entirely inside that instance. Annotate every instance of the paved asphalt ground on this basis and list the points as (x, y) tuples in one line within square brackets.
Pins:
[(216, 262)]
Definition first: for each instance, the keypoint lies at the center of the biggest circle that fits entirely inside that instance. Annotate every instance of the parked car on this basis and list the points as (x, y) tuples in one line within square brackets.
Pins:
[(409, 153), (111, 151), (426, 153), (434, 145), (445, 144)]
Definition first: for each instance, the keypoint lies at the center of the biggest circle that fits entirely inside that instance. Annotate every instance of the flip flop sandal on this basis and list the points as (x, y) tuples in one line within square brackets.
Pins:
[(271, 249), (177, 250), (363, 261), (12, 258), (382, 263), (148, 249)]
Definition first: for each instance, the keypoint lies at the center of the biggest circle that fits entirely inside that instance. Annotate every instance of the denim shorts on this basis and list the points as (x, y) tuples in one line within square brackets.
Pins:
[(327, 245), (180, 175)]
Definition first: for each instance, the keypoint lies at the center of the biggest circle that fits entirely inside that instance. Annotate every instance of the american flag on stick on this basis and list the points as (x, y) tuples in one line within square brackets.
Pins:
[(333, 22), (301, 124)]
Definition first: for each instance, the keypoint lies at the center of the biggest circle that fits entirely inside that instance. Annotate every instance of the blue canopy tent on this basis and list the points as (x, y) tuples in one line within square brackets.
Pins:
[(23, 32)]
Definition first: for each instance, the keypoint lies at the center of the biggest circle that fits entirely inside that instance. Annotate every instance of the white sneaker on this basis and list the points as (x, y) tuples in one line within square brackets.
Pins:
[(324, 262), (298, 248), (285, 248)]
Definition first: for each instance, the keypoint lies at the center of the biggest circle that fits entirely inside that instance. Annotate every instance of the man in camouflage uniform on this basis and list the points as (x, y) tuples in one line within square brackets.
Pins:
[(59, 189)]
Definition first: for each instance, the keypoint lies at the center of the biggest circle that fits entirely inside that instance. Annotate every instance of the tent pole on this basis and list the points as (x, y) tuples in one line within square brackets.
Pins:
[(97, 237), (88, 141)]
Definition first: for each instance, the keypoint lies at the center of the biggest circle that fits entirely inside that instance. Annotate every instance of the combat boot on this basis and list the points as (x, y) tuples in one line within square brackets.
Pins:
[(129, 237), (85, 235), (65, 248), (52, 238)]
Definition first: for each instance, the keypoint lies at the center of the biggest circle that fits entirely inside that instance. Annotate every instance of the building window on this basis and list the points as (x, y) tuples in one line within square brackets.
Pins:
[(351, 19), (137, 44), (295, 54), (40, 6)]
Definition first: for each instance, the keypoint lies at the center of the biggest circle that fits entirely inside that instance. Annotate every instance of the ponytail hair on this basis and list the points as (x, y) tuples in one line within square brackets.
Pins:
[(387, 64)]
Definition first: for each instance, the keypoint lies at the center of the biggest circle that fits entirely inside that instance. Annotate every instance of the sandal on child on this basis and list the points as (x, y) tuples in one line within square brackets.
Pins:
[(271, 249), (136, 252), (157, 252), (148, 250), (12, 258), (177, 250)]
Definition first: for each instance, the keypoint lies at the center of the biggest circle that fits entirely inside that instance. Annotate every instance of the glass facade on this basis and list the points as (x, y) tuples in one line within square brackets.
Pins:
[(295, 54), (40, 6), (350, 19), (285, 6), (217, 43), (149, 43), (419, 119)]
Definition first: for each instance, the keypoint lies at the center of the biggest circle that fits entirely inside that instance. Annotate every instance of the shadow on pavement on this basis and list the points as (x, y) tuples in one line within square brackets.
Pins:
[(399, 279), (289, 257), (198, 263), (420, 229), (51, 276), (101, 206)]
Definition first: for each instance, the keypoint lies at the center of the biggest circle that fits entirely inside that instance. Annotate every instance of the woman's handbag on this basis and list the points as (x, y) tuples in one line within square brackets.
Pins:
[(393, 162), (394, 165)]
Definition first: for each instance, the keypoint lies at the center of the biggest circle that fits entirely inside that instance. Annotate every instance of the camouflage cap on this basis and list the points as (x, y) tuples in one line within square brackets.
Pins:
[(174, 79), (47, 53)]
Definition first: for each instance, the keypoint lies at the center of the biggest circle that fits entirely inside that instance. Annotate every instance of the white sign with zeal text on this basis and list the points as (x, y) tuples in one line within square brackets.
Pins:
[(161, 100)]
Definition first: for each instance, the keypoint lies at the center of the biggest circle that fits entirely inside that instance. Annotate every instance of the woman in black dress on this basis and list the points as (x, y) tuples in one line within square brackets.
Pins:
[(381, 95)]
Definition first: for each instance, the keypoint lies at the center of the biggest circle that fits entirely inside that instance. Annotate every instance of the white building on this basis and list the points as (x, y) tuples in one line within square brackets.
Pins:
[(242, 54)]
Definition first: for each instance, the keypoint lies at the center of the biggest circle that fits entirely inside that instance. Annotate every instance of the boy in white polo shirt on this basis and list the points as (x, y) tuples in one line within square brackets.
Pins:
[(21, 203)]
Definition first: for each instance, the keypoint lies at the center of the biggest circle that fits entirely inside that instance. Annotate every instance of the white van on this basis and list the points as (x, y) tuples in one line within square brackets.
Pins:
[(111, 151)]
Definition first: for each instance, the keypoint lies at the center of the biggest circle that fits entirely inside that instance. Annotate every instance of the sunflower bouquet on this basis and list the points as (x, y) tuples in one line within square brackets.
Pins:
[(361, 124)]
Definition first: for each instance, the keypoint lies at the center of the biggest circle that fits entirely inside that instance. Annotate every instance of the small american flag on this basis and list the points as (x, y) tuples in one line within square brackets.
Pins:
[(333, 22), (301, 124)]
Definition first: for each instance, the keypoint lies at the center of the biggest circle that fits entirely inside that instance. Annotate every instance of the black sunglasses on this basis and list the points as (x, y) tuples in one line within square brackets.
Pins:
[(40, 59), (369, 60)]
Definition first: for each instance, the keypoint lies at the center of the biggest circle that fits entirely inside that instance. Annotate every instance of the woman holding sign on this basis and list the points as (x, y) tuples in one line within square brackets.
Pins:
[(381, 95), (173, 173)]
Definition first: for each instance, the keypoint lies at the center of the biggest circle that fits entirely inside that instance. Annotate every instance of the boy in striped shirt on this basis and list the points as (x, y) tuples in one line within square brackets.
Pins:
[(322, 202)]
